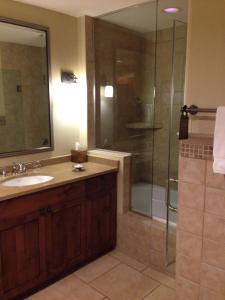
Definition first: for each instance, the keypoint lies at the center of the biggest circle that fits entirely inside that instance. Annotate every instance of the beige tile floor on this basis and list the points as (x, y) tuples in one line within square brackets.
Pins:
[(114, 276)]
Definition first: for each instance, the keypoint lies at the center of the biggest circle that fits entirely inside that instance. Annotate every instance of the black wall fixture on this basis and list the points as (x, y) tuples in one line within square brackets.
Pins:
[(68, 77)]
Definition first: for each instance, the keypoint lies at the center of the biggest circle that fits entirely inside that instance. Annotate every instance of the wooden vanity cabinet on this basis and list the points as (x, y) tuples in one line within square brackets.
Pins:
[(48, 233), (22, 254)]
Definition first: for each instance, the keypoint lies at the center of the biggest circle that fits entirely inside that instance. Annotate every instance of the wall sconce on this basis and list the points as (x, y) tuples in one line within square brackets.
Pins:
[(68, 77), (108, 91)]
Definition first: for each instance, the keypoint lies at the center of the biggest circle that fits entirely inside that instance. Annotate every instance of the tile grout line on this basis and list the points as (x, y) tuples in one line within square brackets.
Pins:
[(141, 272), (145, 266), (203, 225), (89, 283), (86, 283), (156, 280), (169, 287), (148, 276), (163, 273), (122, 262), (151, 291)]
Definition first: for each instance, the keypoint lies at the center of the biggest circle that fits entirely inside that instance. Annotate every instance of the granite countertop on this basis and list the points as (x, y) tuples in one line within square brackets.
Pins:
[(62, 173)]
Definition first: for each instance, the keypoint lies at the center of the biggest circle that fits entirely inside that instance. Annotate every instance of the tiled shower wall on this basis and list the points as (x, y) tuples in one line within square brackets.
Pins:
[(201, 227)]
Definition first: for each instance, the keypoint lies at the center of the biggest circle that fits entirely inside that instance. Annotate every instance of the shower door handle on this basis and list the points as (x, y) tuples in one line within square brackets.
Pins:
[(168, 203), (174, 180)]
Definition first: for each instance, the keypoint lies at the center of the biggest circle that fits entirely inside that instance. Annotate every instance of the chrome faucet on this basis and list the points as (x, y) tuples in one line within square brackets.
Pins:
[(18, 168)]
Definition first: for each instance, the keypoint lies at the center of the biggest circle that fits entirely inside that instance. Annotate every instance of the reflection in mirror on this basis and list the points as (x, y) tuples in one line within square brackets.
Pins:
[(24, 89)]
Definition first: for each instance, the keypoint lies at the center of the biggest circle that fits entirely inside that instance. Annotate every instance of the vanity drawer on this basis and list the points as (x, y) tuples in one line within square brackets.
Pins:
[(30, 203)]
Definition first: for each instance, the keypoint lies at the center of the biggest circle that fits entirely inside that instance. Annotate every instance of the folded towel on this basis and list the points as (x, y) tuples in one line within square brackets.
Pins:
[(219, 142)]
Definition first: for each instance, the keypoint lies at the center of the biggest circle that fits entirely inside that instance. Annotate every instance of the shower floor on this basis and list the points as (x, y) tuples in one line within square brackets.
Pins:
[(141, 194)]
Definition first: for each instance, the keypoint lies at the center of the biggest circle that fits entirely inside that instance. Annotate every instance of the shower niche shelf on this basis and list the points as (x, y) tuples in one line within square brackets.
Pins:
[(143, 125)]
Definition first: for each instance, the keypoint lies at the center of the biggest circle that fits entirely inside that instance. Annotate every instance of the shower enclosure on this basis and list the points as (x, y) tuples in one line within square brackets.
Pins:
[(139, 70)]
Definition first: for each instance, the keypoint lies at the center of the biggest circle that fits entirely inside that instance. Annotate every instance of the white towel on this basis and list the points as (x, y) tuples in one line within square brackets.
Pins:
[(219, 142)]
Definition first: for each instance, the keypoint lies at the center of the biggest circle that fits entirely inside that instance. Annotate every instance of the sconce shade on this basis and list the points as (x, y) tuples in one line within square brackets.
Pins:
[(109, 91), (68, 77)]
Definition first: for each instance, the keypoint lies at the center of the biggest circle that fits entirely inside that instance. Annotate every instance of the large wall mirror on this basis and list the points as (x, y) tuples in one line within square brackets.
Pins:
[(25, 122)]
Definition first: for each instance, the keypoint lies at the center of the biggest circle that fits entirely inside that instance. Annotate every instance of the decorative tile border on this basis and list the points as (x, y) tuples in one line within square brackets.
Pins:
[(197, 151)]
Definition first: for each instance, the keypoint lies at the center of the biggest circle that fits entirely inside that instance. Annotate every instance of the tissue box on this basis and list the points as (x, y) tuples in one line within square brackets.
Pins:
[(79, 156)]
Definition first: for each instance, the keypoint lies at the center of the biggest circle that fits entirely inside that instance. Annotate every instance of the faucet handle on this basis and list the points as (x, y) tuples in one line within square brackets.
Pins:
[(3, 172), (15, 168), (22, 168)]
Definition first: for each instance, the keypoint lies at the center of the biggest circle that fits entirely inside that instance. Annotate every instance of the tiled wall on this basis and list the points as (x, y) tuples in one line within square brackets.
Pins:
[(143, 239), (140, 237), (200, 230)]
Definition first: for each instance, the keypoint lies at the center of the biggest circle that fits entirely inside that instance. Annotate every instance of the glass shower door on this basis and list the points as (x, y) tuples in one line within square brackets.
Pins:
[(125, 60), (177, 100)]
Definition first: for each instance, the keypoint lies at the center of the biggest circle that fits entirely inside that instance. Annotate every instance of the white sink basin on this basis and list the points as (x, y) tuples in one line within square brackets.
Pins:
[(27, 180)]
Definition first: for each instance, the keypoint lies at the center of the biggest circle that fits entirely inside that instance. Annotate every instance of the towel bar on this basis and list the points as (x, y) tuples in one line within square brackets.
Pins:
[(193, 110), (184, 120)]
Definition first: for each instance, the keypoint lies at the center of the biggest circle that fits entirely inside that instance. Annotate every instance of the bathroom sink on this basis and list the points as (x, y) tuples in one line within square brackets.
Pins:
[(27, 180)]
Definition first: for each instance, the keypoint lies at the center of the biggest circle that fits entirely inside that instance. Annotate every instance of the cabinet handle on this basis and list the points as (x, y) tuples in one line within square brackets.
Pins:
[(49, 210)]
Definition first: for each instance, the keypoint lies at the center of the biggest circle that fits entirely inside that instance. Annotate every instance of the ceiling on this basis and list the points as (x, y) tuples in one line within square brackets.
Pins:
[(142, 18), (139, 15), (79, 8)]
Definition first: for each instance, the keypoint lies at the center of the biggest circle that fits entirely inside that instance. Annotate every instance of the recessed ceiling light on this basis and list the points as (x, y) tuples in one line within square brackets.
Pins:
[(171, 10)]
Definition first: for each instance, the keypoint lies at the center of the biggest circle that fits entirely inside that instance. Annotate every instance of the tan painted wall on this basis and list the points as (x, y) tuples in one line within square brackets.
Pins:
[(64, 39), (205, 76)]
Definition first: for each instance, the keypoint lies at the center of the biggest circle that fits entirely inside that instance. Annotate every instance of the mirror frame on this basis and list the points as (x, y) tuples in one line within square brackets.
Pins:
[(50, 106)]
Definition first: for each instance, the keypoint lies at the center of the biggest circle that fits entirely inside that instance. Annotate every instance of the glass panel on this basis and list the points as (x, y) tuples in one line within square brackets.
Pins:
[(125, 74), (164, 53), (179, 58), (170, 72)]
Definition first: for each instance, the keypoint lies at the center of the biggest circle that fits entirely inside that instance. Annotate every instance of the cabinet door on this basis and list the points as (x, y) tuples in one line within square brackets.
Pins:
[(103, 222), (21, 254), (65, 236)]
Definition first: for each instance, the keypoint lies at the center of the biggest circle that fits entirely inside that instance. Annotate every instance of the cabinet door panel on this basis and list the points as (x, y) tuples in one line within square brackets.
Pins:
[(65, 236), (21, 254), (103, 222), (73, 217), (57, 239)]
